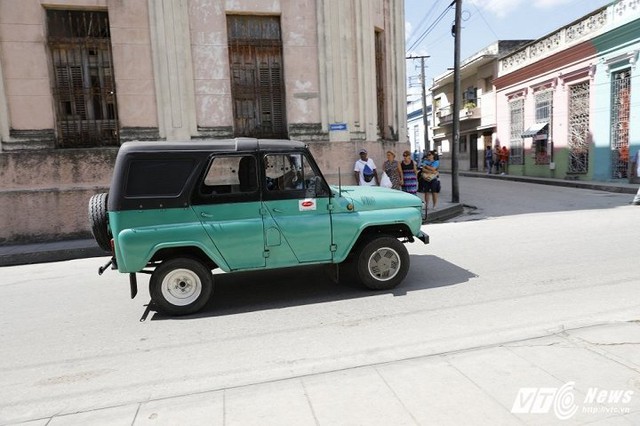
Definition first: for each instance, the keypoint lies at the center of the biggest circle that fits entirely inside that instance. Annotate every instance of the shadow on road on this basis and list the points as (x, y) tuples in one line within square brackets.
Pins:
[(244, 292)]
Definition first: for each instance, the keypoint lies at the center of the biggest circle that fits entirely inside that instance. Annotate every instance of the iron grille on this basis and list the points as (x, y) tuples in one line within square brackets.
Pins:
[(621, 93), (579, 128), (516, 148), (544, 105), (83, 81)]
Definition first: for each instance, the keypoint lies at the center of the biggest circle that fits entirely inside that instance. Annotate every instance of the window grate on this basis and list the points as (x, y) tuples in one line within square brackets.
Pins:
[(621, 92), (544, 104), (544, 109), (579, 128), (516, 143), (83, 82)]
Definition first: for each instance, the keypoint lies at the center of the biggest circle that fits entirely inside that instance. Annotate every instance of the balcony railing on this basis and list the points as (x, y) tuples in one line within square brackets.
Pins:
[(444, 116)]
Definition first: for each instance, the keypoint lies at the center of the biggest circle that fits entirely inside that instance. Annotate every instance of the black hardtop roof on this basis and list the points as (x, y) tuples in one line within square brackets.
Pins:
[(208, 145)]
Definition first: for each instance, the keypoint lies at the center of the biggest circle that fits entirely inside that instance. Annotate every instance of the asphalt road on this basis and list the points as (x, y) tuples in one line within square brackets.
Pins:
[(527, 261)]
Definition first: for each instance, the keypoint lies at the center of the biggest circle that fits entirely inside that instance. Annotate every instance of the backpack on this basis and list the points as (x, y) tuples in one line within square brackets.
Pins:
[(367, 173)]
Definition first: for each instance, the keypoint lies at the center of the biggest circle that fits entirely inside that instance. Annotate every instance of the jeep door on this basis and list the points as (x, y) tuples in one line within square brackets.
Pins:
[(228, 204), (298, 223)]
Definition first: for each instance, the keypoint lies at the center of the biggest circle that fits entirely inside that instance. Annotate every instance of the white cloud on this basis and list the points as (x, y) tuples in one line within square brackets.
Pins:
[(547, 4), (499, 8), (407, 29), (503, 8)]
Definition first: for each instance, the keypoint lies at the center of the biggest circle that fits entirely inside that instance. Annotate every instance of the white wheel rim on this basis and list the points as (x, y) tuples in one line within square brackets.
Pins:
[(181, 287), (384, 264)]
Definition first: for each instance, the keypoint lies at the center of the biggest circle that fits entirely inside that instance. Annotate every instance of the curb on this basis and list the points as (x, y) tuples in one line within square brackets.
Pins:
[(622, 188), (50, 252), (444, 214)]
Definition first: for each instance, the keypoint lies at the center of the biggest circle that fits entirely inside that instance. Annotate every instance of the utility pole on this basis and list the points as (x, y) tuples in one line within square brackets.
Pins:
[(425, 119), (455, 190)]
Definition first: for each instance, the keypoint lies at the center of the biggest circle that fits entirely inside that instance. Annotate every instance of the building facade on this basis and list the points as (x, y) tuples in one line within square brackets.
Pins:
[(420, 136), (477, 113), (80, 77), (565, 102)]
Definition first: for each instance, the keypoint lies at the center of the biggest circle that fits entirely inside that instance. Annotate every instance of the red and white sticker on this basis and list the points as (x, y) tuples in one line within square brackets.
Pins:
[(307, 204)]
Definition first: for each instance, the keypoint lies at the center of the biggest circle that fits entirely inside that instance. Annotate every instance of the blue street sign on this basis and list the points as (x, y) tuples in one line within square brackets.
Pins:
[(337, 126)]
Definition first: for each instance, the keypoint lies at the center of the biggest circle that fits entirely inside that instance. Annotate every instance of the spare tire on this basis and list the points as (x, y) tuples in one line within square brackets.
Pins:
[(99, 220)]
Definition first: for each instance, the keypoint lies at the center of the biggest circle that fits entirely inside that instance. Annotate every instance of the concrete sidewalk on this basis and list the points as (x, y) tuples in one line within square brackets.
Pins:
[(587, 375), (619, 187)]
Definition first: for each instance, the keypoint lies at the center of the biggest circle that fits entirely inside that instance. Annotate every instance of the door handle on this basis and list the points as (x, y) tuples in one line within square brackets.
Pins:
[(207, 215), (277, 210)]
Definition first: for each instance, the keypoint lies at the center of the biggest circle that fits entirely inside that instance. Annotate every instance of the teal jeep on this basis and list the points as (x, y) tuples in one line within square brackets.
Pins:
[(179, 210)]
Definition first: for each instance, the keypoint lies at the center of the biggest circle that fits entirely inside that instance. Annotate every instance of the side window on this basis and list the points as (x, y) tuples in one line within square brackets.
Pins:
[(283, 172), (290, 175), (164, 178), (230, 175)]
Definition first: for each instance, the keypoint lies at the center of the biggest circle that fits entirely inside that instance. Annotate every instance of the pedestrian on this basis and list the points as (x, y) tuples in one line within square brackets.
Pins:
[(504, 159), (488, 159), (416, 156), (409, 174), (496, 158), (365, 170), (635, 172), (393, 170), (430, 181)]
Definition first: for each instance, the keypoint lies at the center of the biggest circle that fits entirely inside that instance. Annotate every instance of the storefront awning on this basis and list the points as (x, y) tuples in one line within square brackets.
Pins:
[(534, 129)]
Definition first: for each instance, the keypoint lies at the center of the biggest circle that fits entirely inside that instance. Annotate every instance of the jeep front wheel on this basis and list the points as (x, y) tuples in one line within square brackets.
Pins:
[(180, 286), (382, 263)]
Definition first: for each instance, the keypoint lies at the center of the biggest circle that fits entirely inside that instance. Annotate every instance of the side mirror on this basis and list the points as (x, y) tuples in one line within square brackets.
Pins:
[(319, 187)]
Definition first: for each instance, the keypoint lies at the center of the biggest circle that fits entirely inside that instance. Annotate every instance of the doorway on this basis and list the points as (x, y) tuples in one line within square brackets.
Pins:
[(473, 151)]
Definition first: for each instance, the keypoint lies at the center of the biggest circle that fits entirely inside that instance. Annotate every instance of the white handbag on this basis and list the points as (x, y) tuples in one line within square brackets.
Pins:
[(385, 181)]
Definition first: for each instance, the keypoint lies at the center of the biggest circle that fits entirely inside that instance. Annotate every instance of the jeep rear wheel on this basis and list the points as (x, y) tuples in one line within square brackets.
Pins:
[(180, 286), (99, 220), (381, 263)]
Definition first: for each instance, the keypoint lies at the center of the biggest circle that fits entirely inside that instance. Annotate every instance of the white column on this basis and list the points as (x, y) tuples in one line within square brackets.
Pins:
[(173, 69), (4, 111)]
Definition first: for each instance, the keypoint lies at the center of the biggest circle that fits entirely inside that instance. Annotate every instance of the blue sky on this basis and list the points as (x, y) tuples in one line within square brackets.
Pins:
[(483, 22)]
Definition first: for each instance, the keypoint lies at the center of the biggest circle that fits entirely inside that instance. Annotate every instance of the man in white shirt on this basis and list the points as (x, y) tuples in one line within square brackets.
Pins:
[(365, 170), (635, 172)]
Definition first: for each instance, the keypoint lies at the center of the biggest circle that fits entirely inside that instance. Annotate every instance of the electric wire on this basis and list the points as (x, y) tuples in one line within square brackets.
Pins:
[(422, 22), (431, 27)]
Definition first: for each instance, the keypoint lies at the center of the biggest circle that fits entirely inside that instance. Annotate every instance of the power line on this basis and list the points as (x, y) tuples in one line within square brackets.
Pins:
[(422, 22), (485, 21), (431, 27)]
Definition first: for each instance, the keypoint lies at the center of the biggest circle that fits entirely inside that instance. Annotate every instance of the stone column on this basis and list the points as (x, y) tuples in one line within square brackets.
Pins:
[(173, 69), (4, 111)]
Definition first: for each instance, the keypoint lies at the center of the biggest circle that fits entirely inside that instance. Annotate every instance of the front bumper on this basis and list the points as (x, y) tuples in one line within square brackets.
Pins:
[(423, 237)]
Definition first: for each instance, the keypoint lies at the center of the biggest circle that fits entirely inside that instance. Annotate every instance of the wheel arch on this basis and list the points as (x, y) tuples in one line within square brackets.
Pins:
[(192, 252), (397, 230)]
